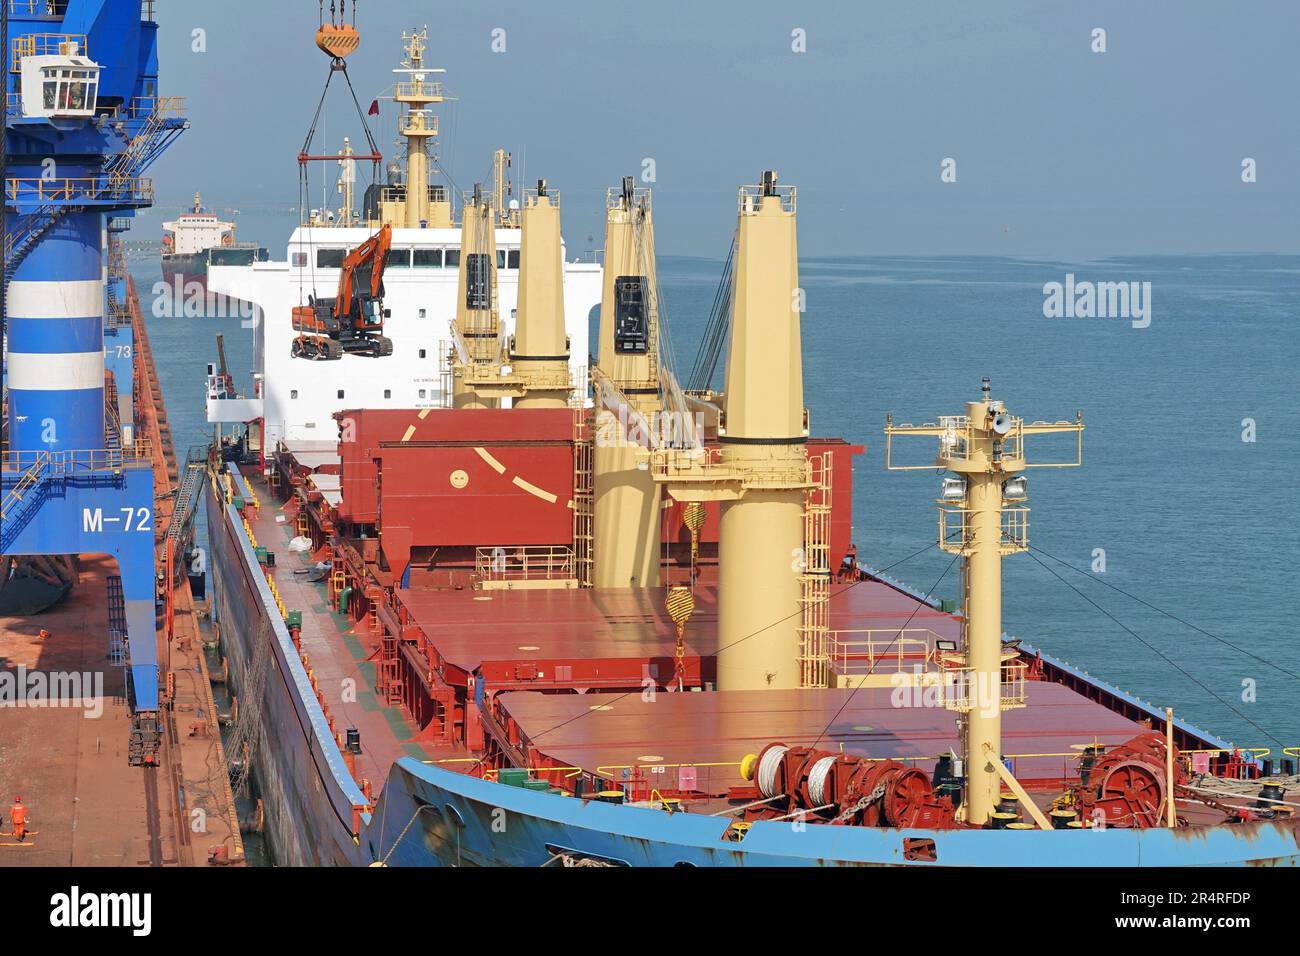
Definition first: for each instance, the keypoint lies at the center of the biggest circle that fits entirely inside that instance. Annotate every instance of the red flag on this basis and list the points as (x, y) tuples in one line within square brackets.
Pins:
[(374, 108)]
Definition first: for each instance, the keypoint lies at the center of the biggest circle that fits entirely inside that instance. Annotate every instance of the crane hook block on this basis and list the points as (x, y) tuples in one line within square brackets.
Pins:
[(338, 41)]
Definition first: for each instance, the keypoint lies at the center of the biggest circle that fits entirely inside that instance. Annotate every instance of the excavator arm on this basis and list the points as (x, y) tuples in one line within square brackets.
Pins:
[(364, 264)]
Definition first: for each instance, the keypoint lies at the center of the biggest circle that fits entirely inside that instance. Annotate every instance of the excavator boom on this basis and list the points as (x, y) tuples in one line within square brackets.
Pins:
[(366, 262)]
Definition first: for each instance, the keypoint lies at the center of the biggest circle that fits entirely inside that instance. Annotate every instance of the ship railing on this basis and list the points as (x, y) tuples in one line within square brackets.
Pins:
[(526, 563), (142, 107), (866, 650), (967, 688), (45, 44), (956, 534), (71, 463), (749, 196), (640, 196), (531, 197), (640, 780), (32, 8), (705, 464), (437, 193), (420, 89), (416, 122), (86, 188)]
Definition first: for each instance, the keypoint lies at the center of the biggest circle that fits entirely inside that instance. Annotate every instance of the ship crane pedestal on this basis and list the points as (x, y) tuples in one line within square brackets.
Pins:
[(979, 521)]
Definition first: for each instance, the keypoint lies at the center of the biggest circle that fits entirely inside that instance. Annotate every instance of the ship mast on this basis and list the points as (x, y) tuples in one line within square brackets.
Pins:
[(419, 126), (627, 523), (980, 520)]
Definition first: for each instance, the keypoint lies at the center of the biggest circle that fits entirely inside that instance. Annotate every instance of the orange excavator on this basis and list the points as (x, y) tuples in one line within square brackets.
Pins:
[(352, 321)]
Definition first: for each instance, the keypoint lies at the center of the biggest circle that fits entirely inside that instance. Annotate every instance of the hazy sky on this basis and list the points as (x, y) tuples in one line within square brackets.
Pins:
[(1061, 152)]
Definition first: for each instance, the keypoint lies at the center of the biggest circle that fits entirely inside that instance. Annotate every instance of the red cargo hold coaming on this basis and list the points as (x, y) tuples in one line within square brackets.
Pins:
[(371, 429)]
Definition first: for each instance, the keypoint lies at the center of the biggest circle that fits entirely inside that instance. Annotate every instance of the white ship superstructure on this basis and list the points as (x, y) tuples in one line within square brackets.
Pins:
[(196, 231), (296, 397)]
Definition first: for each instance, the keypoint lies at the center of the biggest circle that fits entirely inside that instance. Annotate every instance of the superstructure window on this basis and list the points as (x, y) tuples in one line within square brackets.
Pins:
[(330, 258), (300, 260), (428, 258), (453, 258), (340, 393), (388, 393), (398, 259), (478, 281), (631, 332), (512, 259)]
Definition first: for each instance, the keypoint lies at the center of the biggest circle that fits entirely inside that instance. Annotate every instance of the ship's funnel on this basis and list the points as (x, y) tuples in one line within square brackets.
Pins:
[(627, 511), (763, 442), (540, 348), (478, 326)]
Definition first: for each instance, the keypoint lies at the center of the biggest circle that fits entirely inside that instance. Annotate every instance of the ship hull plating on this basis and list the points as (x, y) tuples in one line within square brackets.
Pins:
[(464, 821), (307, 806)]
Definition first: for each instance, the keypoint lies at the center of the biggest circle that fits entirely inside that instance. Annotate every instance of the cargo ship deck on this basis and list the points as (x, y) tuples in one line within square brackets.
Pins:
[(338, 653), (557, 678)]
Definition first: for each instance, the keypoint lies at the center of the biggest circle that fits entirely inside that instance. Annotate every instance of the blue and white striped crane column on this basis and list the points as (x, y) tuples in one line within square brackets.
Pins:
[(56, 340)]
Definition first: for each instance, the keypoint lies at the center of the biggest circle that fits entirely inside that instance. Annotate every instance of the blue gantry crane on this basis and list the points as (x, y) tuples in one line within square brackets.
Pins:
[(83, 122)]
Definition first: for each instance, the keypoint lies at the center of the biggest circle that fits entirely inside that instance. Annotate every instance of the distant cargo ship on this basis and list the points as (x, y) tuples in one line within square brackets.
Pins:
[(197, 240)]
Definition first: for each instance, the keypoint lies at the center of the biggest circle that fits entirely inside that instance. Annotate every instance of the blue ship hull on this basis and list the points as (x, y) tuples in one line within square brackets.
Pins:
[(434, 817)]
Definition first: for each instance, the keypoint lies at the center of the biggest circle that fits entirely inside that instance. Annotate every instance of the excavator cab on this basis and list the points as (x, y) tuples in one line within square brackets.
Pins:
[(353, 320)]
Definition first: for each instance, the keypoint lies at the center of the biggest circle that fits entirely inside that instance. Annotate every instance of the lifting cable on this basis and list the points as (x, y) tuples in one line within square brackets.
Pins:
[(337, 65), (715, 332), (1173, 617), (1152, 648)]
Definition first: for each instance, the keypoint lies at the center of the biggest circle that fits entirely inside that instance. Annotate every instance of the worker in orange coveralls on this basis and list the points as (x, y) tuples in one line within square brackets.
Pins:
[(18, 817)]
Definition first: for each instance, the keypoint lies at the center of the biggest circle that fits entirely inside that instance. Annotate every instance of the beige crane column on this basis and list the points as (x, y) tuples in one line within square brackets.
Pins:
[(540, 348), (764, 444), (477, 319)]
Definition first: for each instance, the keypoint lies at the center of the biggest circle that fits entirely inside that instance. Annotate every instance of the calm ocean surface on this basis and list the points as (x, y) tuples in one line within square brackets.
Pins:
[(1192, 519)]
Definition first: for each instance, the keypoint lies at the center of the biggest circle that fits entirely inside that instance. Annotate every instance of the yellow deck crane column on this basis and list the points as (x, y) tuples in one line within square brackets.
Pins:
[(539, 349), (761, 476), (627, 499), (764, 441), (476, 333), (980, 520)]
